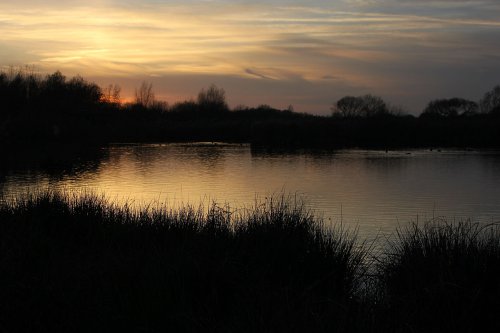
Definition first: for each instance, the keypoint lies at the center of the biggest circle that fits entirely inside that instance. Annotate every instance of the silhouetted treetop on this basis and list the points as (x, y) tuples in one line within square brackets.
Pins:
[(144, 95), (55, 80), (212, 99), (80, 90), (490, 103), (25, 91), (361, 106), (445, 108), (112, 94)]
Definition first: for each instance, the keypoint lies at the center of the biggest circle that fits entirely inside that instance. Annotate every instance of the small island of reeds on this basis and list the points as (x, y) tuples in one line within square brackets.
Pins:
[(79, 263)]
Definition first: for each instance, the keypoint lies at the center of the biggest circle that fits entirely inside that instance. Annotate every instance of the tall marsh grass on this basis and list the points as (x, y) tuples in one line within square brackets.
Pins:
[(78, 263), (443, 277)]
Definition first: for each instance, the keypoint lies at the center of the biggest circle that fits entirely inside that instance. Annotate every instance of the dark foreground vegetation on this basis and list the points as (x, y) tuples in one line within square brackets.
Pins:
[(80, 264), (56, 109)]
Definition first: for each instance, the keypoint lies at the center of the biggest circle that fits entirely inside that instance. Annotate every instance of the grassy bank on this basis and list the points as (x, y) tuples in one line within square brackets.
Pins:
[(79, 263)]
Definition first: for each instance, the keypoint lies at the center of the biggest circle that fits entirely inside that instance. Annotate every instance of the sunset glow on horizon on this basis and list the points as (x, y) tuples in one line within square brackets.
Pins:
[(302, 53)]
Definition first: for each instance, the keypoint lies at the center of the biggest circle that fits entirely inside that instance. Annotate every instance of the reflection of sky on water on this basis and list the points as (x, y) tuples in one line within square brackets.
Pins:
[(374, 190)]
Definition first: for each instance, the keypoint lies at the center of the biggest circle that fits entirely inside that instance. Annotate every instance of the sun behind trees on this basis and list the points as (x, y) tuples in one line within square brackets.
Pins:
[(112, 94)]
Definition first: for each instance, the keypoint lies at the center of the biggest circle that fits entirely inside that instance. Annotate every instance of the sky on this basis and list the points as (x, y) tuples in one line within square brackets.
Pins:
[(307, 54)]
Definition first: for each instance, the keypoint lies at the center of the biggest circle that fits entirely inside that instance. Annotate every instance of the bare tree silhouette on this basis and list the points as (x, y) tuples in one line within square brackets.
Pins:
[(144, 95), (112, 94), (490, 103), (212, 99)]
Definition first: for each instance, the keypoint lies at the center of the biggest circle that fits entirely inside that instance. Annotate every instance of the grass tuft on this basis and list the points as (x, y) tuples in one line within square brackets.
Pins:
[(80, 263), (443, 277)]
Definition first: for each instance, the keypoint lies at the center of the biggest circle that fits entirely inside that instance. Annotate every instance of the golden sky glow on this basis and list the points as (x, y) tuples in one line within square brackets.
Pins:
[(304, 53)]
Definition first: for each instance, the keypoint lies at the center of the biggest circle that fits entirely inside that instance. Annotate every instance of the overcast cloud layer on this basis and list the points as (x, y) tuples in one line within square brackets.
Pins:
[(304, 53)]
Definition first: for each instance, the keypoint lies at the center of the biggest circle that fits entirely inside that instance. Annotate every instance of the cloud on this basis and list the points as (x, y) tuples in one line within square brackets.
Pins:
[(404, 50), (257, 74), (329, 77)]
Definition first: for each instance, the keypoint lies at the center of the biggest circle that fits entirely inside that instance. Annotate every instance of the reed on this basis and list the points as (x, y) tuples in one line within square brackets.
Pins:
[(443, 277), (76, 262), (80, 263)]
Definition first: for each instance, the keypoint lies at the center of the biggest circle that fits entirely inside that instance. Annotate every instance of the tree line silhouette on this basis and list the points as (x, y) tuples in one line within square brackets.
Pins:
[(54, 108)]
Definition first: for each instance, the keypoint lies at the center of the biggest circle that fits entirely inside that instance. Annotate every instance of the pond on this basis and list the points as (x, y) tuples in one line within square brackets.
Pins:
[(374, 191)]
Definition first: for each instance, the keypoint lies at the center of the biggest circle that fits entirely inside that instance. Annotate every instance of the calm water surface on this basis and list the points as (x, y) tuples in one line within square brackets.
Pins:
[(374, 190)]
